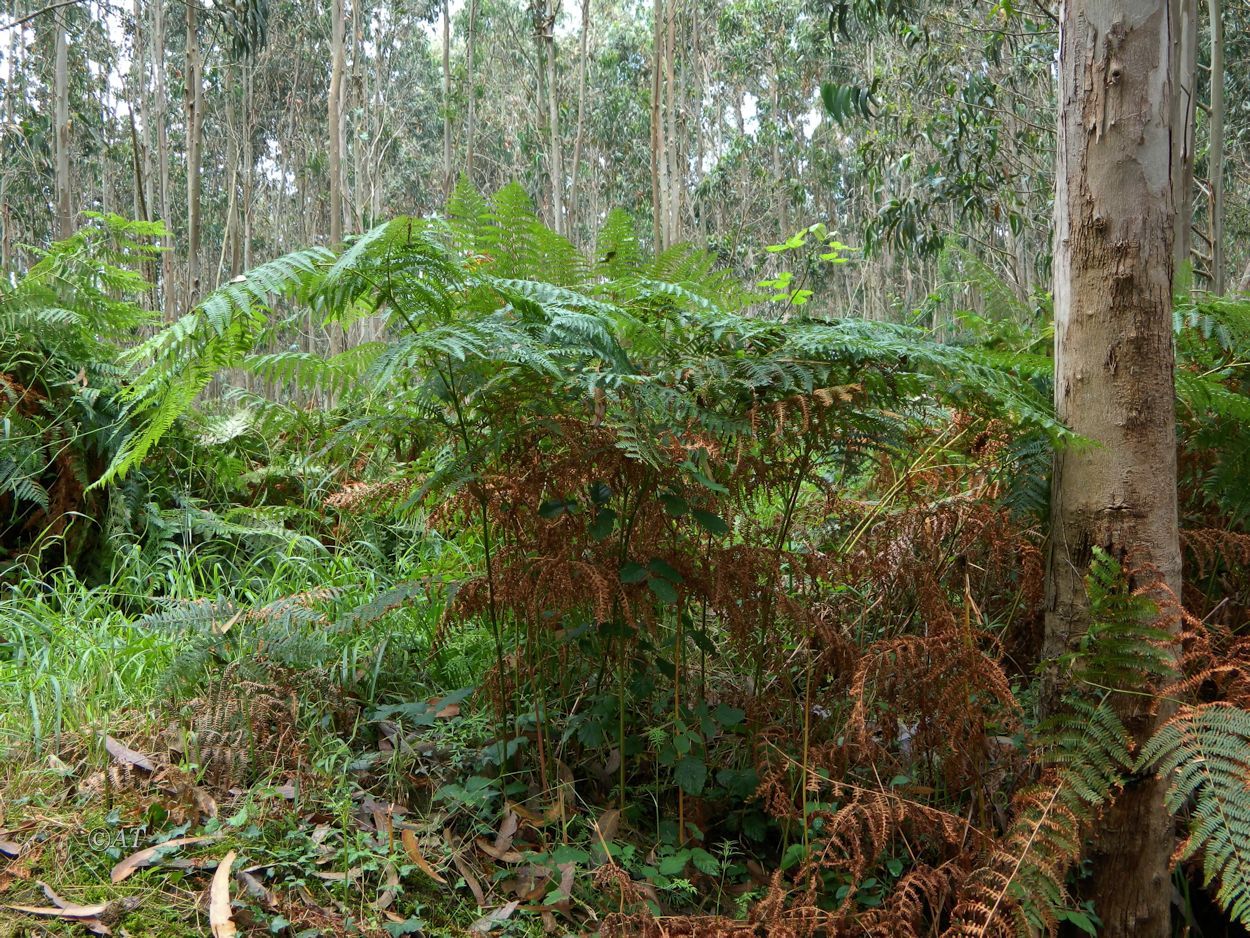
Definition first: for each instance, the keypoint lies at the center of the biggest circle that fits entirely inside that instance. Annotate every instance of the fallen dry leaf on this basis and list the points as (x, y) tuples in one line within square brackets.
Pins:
[(390, 886), (465, 870), (219, 918), (414, 853), (69, 910), (507, 831), (255, 889), (490, 920), (148, 855), (123, 753), (338, 876), (503, 856), (606, 826)]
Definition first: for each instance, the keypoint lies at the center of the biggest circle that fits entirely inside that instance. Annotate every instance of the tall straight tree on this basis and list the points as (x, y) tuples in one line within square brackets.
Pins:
[(1216, 148), (1114, 385), (193, 101), (60, 85), (335, 117)]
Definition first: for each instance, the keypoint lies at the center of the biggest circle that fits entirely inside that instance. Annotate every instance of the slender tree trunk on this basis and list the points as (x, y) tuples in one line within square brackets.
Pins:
[(60, 81), (1184, 70), (249, 162), (448, 177), (336, 134), (673, 178), (545, 30), (233, 242), (1114, 386), (334, 119), (579, 136), (168, 299), (8, 237), (658, 182), (1216, 158), (194, 103), (360, 110), (470, 78), (783, 195)]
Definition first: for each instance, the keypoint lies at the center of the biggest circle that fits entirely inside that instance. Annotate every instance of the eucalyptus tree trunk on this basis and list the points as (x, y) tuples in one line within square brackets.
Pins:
[(1114, 362), (545, 31), (193, 99), (360, 111), (7, 234), (1184, 69), (579, 136), (168, 301), (470, 78), (1216, 158), (657, 132), (673, 178), (60, 87), (448, 180), (334, 118)]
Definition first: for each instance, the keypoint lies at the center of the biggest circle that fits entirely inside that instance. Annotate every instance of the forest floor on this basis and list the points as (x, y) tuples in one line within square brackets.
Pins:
[(318, 850), (120, 795)]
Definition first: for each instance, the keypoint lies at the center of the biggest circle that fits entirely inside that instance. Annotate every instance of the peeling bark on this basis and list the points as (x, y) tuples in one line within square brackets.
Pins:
[(1114, 385)]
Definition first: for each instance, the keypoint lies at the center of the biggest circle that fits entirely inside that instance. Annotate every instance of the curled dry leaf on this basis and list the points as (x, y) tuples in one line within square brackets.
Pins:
[(123, 753), (507, 831), (414, 853), (255, 889), (149, 855), (490, 920), (466, 872), (390, 886), (219, 918), (606, 826), (503, 856), (95, 926), (550, 815)]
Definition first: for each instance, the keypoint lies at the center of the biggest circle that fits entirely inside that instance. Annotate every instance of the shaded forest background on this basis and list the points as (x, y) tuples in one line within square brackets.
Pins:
[(254, 129)]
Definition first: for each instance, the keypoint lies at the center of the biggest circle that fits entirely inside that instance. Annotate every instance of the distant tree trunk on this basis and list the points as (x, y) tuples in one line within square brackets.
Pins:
[(233, 242), (1184, 70), (7, 236), (194, 103), (545, 33), (783, 215), (141, 102), (60, 83), (1216, 158), (658, 179), (360, 92), (581, 115), (1114, 386), (335, 134), (168, 300), (249, 163), (470, 78), (448, 180), (672, 199), (334, 118)]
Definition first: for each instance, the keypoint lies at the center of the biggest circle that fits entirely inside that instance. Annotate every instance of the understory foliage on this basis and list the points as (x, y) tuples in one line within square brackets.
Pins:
[(763, 589)]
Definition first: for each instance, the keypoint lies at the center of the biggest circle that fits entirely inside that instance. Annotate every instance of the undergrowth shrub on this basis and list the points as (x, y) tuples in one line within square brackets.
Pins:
[(751, 601)]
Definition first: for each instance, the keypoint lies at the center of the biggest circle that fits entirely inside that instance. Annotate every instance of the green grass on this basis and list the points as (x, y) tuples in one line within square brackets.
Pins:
[(78, 661)]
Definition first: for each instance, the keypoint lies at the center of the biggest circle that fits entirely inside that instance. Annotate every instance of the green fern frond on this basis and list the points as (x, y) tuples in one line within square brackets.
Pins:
[(1205, 751)]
